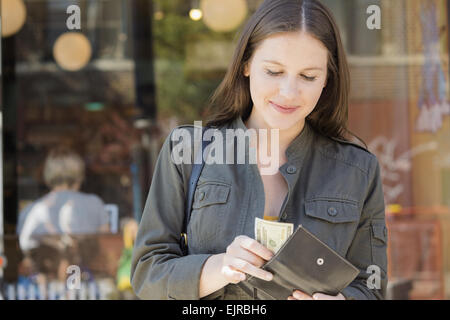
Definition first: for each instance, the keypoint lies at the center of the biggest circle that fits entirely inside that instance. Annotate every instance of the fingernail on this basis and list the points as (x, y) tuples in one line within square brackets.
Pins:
[(242, 277), (269, 277), (315, 296)]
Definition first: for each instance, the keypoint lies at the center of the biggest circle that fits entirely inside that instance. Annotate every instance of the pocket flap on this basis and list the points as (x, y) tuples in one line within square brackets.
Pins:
[(335, 211), (379, 230), (209, 194)]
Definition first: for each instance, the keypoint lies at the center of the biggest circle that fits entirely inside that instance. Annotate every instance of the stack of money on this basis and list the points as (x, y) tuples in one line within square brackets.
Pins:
[(272, 234)]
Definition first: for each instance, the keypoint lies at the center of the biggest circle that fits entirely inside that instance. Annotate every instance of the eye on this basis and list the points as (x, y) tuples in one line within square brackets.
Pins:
[(272, 73), (309, 78)]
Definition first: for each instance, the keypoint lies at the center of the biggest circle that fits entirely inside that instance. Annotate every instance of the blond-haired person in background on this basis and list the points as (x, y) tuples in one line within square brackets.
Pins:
[(64, 210)]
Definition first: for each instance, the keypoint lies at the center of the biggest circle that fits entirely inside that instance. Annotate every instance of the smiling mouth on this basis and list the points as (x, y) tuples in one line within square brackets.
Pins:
[(283, 109)]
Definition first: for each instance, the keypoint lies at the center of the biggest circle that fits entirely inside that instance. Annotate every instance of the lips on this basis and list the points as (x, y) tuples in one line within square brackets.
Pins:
[(283, 109)]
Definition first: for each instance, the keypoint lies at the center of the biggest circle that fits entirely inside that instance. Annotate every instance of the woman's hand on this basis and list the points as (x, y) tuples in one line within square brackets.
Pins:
[(245, 255), (299, 295)]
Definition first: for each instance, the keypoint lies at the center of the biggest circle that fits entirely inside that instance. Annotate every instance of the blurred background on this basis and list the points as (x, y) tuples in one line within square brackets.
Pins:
[(109, 79)]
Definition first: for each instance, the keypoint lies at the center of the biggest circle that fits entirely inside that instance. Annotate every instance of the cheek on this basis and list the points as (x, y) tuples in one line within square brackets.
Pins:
[(312, 94), (262, 88)]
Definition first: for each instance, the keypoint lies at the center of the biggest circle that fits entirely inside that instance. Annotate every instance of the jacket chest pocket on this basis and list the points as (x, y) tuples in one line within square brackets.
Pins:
[(211, 201), (334, 221), (210, 193)]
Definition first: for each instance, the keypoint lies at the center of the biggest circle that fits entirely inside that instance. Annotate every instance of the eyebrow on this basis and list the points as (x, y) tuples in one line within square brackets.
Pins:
[(280, 64)]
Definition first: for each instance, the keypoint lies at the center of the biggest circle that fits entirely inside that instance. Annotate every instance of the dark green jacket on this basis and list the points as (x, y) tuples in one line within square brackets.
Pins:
[(335, 192)]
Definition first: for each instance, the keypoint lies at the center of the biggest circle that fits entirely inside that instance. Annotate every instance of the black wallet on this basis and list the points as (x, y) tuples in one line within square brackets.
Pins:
[(304, 263)]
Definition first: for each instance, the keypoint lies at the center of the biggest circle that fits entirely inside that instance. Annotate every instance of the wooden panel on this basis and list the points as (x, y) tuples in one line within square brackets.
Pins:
[(415, 253)]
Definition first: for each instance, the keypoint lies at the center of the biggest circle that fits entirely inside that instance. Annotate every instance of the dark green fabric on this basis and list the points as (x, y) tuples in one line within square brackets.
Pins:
[(335, 192)]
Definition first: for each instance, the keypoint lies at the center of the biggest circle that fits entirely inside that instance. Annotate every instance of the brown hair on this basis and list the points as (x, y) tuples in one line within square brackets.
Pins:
[(232, 97)]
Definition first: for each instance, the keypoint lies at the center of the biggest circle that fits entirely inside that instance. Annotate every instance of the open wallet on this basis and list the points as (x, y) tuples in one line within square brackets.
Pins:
[(304, 263)]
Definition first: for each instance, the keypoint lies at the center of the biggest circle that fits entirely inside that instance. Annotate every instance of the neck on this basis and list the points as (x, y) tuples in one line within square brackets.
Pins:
[(65, 187), (286, 136)]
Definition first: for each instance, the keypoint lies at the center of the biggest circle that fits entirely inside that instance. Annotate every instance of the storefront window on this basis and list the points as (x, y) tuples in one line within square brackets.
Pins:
[(107, 80), (400, 106)]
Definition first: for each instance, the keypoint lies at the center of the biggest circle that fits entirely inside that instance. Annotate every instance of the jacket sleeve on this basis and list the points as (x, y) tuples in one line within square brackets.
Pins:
[(368, 249), (158, 270)]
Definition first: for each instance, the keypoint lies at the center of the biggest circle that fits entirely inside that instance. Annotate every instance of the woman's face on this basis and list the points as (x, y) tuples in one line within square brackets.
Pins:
[(287, 73)]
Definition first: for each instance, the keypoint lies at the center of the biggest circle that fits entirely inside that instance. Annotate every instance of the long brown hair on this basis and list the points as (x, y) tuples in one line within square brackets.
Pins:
[(232, 97)]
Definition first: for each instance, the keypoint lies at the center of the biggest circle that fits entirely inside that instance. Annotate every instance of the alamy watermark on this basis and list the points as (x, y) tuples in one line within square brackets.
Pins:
[(73, 22), (373, 22), (374, 280), (73, 281), (259, 143)]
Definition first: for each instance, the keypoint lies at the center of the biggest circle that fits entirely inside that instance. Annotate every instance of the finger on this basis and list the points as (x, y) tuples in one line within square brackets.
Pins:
[(301, 295), (245, 266), (291, 298), (232, 275), (241, 253), (254, 246), (322, 296)]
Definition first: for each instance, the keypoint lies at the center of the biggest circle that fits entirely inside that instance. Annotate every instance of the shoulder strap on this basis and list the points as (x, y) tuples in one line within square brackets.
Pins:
[(195, 175)]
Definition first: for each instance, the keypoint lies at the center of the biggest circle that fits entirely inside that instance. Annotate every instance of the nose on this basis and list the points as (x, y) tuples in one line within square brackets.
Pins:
[(289, 89)]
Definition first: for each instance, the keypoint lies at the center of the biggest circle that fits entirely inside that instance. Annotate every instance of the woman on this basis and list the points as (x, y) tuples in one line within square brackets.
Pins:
[(289, 72)]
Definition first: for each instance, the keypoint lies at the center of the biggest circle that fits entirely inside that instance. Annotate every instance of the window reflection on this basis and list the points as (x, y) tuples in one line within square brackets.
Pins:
[(151, 67)]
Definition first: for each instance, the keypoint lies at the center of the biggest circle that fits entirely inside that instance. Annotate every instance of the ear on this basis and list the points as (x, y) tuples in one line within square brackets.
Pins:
[(246, 70)]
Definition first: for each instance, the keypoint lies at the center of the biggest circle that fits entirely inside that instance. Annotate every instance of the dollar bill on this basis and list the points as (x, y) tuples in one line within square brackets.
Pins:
[(272, 234)]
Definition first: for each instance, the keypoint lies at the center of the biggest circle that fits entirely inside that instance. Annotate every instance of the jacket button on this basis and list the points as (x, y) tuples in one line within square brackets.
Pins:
[(332, 211), (284, 215), (319, 261), (291, 169), (201, 196)]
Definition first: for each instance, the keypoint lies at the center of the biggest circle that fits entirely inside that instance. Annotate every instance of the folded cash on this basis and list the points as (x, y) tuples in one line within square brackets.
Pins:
[(272, 234)]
